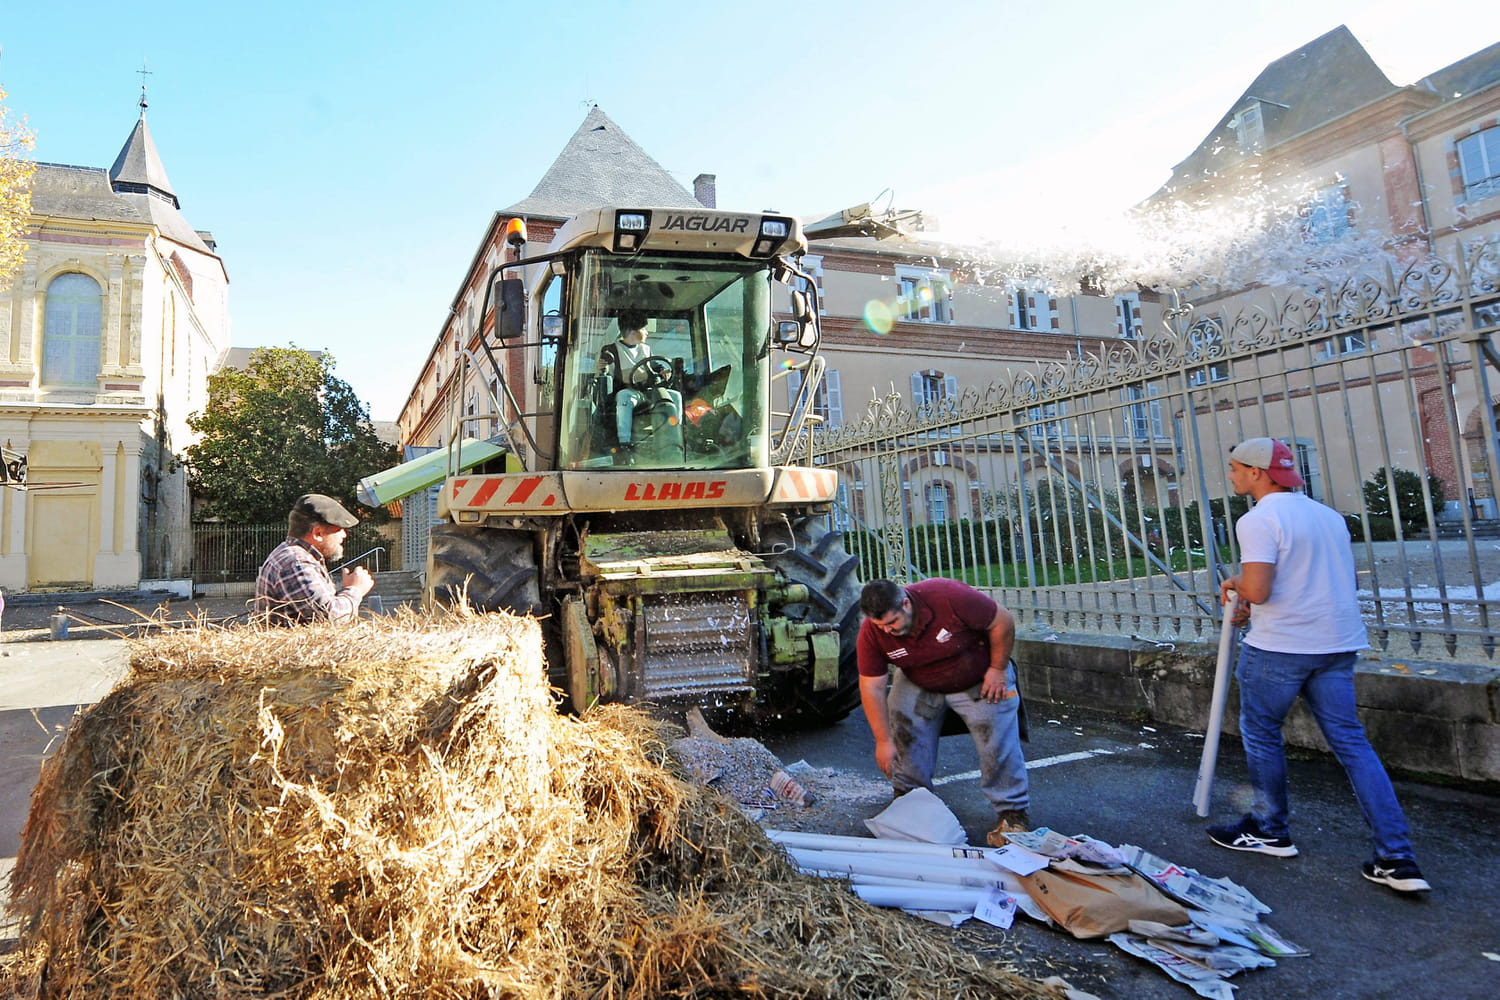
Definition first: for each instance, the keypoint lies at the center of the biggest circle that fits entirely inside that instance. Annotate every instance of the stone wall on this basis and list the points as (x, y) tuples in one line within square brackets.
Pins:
[(1425, 718)]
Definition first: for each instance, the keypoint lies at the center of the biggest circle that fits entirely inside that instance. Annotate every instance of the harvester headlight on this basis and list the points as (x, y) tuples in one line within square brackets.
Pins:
[(630, 230), (773, 233)]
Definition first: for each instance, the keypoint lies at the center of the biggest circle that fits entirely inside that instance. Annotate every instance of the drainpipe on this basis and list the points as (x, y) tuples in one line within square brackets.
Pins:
[(1416, 161), (1077, 333)]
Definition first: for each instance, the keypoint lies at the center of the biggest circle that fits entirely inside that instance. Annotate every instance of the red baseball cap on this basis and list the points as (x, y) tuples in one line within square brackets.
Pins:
[(1269, 454)]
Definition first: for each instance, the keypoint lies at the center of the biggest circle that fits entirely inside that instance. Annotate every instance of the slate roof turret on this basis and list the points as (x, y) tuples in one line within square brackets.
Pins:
[(601, 165), (138, 168), (135, 189)]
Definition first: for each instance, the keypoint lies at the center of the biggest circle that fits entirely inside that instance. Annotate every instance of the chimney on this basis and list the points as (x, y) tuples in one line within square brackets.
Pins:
[(703, 190)]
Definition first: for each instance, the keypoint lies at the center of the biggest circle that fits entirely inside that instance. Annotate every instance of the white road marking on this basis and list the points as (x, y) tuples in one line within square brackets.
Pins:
[(1031, 765)]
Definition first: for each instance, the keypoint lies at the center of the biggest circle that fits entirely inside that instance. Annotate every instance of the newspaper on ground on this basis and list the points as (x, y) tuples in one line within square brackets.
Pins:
[(1216, 895), (1055, 845), (1249, 934), (1225, 935), (1204, 982), (920, 861)]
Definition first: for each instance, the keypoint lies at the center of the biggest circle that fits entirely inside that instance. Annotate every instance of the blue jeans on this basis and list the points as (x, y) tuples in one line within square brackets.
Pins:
[(1269, 684), (916, 720)]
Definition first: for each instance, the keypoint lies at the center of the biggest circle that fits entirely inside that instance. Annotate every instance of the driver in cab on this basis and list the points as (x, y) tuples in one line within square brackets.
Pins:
[(640, 382)]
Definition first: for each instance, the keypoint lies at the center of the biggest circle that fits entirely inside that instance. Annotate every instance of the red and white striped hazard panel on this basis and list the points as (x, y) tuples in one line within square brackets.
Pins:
[(798, 485), (534, 492)]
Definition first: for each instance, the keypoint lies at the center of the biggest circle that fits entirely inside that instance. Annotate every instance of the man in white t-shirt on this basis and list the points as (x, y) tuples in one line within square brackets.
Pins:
[(636, 385), (1297, 573)]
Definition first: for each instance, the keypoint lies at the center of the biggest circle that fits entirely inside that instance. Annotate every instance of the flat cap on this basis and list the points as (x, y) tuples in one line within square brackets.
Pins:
[(325, 509)]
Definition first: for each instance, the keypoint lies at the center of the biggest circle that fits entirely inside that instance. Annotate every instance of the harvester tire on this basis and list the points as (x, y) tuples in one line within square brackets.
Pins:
[(494, 569), (818, 559)]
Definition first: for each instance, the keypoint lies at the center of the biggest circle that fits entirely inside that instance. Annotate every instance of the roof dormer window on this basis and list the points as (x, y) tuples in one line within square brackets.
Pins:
[(1249, 127)]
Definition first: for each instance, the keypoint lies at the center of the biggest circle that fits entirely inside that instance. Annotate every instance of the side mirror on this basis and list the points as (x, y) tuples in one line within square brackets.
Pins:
[(510, 307), (795, 335), (808, 340), (801, 306)]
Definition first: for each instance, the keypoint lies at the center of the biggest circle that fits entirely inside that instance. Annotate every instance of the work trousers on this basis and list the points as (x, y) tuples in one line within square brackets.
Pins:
[(916, 720)]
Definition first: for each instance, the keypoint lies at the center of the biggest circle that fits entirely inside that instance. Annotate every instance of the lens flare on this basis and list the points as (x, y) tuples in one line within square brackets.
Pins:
[(878, 316)]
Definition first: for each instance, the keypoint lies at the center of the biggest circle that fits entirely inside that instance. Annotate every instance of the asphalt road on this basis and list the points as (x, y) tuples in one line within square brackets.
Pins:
[(1109, 778), (1136, 786)]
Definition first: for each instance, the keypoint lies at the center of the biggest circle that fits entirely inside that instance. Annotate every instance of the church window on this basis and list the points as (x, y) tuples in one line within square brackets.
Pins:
[(71, 331)]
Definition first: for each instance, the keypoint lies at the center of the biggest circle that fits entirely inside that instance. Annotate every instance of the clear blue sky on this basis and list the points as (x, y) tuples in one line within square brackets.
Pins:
[(348, 156)]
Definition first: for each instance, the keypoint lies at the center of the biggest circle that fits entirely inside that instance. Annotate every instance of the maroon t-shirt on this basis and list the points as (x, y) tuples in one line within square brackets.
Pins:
[(948, 646)]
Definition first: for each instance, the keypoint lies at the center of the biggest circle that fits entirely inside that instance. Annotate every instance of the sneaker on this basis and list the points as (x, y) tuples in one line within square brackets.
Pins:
[(1400, 874), (1246, 835), (1010, 821)]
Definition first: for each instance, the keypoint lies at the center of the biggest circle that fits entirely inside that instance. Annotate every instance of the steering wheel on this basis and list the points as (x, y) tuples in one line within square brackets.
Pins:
[(650, 372)]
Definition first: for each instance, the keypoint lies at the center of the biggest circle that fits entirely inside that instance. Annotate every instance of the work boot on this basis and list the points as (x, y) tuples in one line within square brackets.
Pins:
[(1010, 821)]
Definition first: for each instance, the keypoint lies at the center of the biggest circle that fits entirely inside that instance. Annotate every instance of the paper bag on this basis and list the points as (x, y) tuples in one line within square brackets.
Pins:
[(918, 815), (1091, 905)]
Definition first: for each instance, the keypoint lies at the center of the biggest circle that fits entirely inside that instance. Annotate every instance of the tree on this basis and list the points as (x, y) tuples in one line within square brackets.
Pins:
[(15, 193), (1409, 508), (279, 428)]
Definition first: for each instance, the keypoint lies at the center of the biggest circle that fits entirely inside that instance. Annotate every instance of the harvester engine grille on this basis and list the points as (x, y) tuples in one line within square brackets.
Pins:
[(696, 644)]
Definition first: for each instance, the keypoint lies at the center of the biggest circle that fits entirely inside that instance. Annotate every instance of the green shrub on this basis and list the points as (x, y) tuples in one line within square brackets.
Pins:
[(1409, 506), (1382, 529)]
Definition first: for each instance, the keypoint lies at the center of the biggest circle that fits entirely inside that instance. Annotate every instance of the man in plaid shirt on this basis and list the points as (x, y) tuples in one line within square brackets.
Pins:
[(294, 584)]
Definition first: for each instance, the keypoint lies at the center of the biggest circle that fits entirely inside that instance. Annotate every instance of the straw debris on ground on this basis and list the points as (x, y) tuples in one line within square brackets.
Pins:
[(395, 809)]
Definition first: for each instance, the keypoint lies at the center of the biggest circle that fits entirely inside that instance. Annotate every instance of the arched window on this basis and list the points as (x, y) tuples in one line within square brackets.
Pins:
[(71, 330)]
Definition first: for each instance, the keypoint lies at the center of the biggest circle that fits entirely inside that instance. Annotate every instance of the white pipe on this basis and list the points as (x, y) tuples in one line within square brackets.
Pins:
[(834, 842), (1203, 787), (1024, 902), (921, 897), (910, 867)]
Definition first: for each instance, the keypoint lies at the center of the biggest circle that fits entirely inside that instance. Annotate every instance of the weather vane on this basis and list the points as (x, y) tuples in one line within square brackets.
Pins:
[(144, 72)]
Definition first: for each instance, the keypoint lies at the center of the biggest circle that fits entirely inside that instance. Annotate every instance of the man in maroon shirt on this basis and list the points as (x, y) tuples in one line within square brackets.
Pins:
[(950, 645)]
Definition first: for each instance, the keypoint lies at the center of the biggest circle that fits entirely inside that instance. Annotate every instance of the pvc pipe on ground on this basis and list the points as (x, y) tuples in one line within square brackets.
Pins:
[(875, 845), (976, 874), (921, 897), (1203, 787), (1024, 902)]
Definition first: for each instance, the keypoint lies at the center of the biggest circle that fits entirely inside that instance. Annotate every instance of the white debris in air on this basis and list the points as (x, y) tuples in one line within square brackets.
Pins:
[(1258, 233)]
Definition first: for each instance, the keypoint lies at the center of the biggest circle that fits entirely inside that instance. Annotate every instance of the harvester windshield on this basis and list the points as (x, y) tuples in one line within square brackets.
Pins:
[(668, 363)]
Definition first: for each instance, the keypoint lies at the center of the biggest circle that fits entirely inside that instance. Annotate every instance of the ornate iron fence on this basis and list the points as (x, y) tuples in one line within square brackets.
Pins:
[(1092, 495), (213, 552)]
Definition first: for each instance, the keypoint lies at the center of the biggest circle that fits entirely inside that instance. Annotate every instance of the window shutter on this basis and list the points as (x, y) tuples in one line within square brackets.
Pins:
[(835, 398), (1470, 160), (918, 395)]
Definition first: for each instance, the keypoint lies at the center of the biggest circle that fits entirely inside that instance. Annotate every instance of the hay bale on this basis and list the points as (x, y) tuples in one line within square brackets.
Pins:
[(395, 809)]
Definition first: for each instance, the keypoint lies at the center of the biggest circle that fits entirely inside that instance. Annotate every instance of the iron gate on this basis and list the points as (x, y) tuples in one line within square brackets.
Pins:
[(1092, 495)]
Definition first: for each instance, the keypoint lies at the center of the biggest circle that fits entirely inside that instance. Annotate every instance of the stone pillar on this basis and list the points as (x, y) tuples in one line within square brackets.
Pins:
[(114, 312), (132, 305), (13, 516), (20, 359), (118, 562)]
